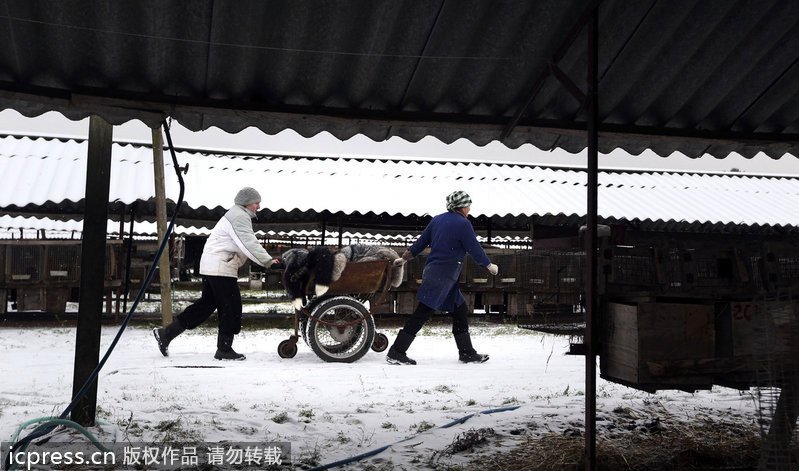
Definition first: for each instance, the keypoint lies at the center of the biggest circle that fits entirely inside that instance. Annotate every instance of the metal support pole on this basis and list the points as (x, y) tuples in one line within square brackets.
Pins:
[(92, 267), (164, 269), (128, 250), (591, 248), (340, 232)]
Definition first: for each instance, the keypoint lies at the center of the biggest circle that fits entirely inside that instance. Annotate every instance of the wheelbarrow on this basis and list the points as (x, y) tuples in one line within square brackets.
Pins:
[(337, 326)]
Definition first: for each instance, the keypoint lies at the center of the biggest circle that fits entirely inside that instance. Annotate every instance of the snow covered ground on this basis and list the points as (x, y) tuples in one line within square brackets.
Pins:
[(331, 411)]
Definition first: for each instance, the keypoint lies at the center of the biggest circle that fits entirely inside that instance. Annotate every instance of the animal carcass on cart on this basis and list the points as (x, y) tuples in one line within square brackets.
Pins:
[(337, 326)]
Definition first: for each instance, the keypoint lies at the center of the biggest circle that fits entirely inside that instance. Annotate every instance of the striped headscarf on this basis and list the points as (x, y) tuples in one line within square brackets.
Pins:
[(458, 199)]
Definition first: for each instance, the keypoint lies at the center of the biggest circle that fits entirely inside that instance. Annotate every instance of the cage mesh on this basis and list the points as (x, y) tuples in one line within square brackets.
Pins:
[(24, 263), (552, 284), (774, 336)]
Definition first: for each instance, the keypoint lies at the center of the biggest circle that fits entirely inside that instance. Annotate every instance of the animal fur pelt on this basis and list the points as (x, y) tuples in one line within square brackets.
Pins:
[(366, 253), (300, 265)]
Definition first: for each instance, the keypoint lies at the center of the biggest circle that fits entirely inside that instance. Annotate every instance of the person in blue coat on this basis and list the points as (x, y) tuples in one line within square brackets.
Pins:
[(450, 236)]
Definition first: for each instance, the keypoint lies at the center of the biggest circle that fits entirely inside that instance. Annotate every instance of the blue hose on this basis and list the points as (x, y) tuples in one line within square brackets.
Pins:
[(352, 459), (47, 427)]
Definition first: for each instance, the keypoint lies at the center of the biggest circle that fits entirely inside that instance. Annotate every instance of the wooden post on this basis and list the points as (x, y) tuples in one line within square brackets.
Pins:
[(92, 268), (340, 231), (164, 270)]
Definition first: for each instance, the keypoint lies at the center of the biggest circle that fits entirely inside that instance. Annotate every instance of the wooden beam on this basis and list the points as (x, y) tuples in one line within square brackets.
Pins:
[(164, 269), (92, 268)]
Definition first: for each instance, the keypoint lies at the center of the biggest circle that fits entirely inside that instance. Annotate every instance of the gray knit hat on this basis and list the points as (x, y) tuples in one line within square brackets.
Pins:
[(458, 199), (247, 196)]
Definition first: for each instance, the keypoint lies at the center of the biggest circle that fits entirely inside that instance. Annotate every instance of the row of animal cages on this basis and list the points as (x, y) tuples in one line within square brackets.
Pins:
[(50, 261), (528, 310), (699, 269), (540, 270), (43, 274)]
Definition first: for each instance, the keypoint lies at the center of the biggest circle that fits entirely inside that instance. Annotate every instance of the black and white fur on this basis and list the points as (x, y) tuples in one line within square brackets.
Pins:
[(300, 265)]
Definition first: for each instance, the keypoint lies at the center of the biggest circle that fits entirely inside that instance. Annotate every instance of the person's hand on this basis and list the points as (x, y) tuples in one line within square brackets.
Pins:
[(277, 264), (398, 262), (493, 269)]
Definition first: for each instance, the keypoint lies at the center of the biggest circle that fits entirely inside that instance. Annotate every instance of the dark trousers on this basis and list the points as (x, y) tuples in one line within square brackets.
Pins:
[(423, 312), (220, 293)]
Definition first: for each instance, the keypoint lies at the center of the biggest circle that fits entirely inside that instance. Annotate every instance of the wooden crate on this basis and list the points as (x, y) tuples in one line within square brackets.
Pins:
[(387, 304), (765, 329), (656, 345), (56, 300), (406, 302), (519, 304), (31, 299)]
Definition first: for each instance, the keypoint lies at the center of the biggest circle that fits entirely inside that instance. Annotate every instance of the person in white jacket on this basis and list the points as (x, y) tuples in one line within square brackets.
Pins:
[(231, 243)]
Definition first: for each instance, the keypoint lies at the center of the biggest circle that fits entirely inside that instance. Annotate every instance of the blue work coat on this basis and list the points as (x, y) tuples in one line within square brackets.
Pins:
[(450, 237)]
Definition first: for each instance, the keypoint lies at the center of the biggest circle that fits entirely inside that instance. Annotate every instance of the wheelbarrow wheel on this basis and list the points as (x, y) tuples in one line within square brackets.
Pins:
[(345, 333), (380, 343), (287, 348)]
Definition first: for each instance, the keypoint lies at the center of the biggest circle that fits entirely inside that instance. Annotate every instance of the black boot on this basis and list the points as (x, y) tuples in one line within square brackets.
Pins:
[(466, 353), (164, 335), (224, 349), (396, 354)]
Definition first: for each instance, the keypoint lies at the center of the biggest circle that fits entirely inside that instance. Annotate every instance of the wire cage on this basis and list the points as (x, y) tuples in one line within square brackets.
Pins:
[(3, 249), (553, 280), (628, 266), (475, 277), (413, 273), (509, 277), (770, 333), (24, 262), (63, 262)]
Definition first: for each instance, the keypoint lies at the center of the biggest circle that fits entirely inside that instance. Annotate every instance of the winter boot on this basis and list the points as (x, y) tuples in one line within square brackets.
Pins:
[(164, 335), (466, 353), (396, 354), (224, 349)]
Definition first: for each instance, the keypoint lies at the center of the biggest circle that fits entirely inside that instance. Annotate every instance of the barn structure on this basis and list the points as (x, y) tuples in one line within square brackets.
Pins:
[(692, 76)]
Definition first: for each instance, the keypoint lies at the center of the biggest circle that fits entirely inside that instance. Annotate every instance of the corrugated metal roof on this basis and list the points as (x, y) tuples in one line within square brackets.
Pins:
[(693, 76), (50, 173)]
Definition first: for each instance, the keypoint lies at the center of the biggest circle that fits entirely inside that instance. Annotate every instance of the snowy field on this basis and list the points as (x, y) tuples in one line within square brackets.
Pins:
[(330, 411)]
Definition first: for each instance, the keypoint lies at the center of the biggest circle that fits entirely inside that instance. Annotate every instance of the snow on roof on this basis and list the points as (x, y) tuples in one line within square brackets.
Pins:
[(40, 170)]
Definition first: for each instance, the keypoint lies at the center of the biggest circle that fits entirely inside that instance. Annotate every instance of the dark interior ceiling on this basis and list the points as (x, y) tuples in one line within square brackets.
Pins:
[(695, 76)]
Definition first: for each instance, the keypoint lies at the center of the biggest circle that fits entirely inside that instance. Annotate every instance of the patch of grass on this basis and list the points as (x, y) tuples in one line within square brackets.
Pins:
[(443, 388), (280, 418), (469, 439), (422, 426), (306, 415), (341, 437), (229, 407), (684, 445), (388, 426), (307, 458), (174, 431)]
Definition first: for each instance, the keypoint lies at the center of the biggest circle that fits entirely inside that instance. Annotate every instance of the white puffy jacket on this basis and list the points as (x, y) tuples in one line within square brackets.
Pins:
[(231, 243)]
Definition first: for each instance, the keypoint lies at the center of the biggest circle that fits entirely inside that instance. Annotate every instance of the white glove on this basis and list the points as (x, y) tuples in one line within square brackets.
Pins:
[(398, 262), (493, 269)]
